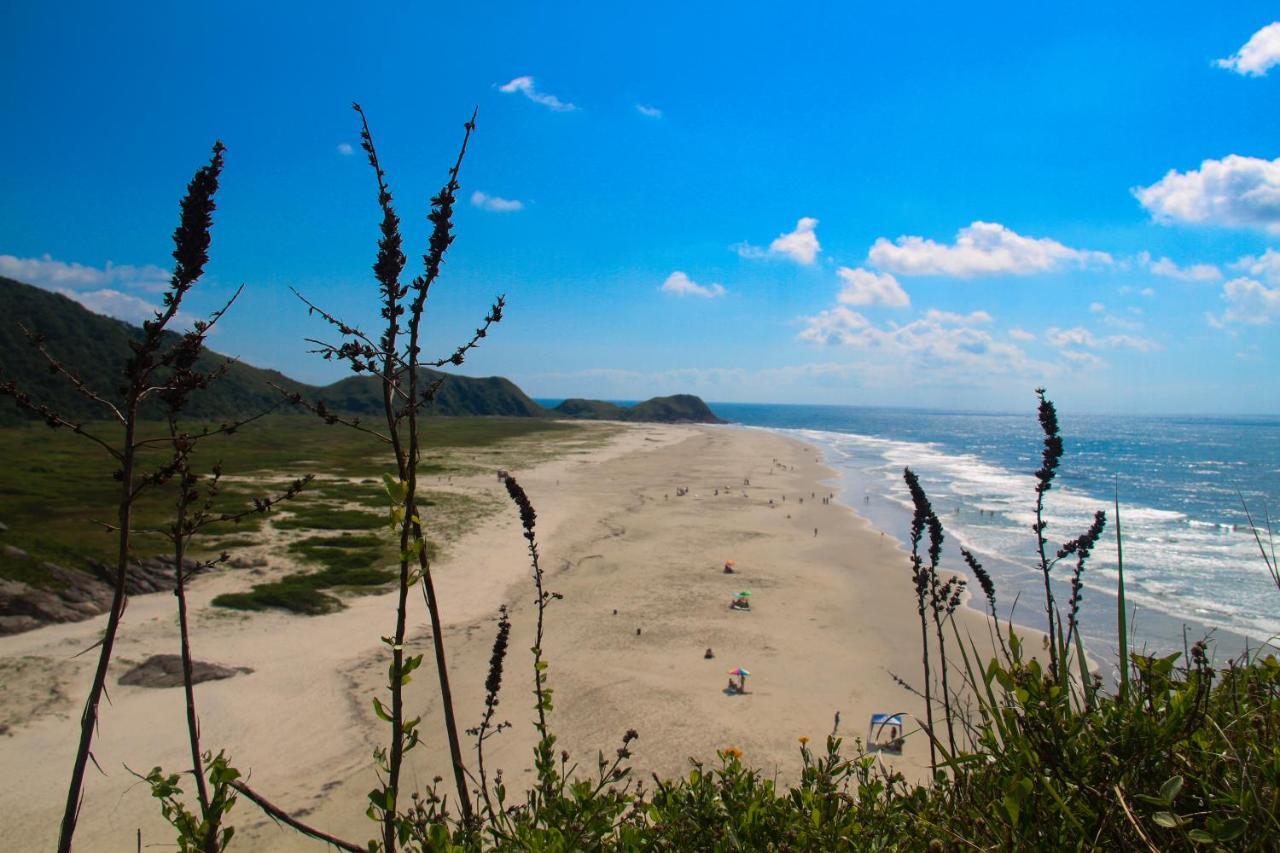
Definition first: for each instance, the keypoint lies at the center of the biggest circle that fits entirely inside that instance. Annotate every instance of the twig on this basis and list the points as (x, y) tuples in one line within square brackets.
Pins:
[(1133, 821), (282, 816)]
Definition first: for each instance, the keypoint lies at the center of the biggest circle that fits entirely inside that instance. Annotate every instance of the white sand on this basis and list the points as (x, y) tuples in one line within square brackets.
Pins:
[(832, 615)]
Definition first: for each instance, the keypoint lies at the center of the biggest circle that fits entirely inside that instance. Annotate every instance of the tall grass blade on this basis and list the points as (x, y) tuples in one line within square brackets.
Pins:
[(1122, 615)]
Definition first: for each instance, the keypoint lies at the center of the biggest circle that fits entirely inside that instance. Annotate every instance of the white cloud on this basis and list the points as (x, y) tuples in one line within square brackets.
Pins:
[(495, 203), (345, 149), (113, 303), (1079, 336), (648, 111), (1249, 302), (1083, 359), (50, 274), (1266, 267), (1169, 269), (982, 248), (1021, 335), (1147, 292), (938, 346), (800, 245), (1097, 307), (1259, 54), (864, 287), (1235, 191), (973, 318), (681, 285), (525, 86)]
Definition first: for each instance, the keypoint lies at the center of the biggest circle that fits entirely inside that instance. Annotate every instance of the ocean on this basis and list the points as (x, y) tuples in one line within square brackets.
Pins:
[(1192, 564)]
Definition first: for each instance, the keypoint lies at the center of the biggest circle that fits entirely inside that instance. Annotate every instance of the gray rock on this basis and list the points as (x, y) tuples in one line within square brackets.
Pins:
[(17, 624), (166, 671), (14, 552)]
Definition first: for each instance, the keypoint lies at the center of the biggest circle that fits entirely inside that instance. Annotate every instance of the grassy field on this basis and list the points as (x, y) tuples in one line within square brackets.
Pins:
[(55, 486)]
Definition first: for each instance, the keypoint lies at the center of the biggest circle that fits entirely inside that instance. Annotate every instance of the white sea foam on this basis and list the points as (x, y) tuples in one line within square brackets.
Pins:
[(1186, 567)]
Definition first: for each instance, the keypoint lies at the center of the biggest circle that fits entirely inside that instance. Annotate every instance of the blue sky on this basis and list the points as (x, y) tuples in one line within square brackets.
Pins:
[(929, 205)]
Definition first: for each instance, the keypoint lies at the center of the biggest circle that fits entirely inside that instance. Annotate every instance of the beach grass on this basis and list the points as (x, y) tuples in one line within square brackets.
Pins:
[(53, 484)]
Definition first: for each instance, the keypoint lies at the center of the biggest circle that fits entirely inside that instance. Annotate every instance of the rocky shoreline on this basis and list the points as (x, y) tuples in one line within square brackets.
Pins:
[(72, 595)]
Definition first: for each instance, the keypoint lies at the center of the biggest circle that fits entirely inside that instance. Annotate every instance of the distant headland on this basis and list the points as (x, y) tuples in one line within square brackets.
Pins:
[(95, 347)]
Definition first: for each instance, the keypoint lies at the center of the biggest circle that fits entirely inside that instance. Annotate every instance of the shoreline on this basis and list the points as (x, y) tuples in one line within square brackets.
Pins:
[(1152, 628), (833, 615)]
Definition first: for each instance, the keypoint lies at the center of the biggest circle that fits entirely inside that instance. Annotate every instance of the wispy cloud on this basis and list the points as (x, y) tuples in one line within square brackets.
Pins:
[(52, 274), (1021, 335), (1240, 192), (345, 149), (103, 290), (938, 346), (1258, 55), (113, 303), (800, 245), (1265, 267), (1079, 336), (525, 86), (648, 111), (982, 248), (681, 285), (1249, 302), (864, 287), (1168, 269), (495, 203)]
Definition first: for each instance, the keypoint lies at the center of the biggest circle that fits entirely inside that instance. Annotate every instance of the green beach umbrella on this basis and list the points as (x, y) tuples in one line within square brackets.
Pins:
[(744, 594)]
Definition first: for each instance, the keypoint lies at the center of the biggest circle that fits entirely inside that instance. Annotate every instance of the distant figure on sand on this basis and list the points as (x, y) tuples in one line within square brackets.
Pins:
[(709, 655)]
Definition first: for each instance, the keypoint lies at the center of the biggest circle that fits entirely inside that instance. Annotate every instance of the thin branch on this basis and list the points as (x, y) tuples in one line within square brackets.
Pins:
[(321, 411), (282, 816), (37, 341), (23, 400), (494, 316)]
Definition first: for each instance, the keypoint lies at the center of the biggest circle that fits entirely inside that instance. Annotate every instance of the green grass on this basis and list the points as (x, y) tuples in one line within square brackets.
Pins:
[(318, 516), (307, 592), (30, 572), (346, 540), (54, 485)]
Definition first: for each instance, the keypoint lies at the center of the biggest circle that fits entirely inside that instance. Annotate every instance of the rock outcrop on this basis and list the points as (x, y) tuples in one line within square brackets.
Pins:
[(166, 671), (70, 595)]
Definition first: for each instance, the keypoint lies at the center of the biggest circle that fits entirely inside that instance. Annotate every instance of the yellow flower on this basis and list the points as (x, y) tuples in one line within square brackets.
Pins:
[(733, 752), (804, 741)]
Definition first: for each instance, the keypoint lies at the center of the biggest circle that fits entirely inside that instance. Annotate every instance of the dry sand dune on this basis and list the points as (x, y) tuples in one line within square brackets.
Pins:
[(832, 615)]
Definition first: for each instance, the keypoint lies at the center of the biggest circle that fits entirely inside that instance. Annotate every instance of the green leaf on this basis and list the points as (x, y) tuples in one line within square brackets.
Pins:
[(1169, 790), (1011, 806), (1199, 836), (380, 710), (1168, 820)]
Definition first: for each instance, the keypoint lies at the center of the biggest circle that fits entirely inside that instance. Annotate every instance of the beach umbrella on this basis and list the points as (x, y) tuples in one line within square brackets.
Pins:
[(740, 672), (730, 563), (744, 594)]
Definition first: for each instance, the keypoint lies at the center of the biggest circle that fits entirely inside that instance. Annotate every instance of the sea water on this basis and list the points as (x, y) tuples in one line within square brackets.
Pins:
[(1192, 566)]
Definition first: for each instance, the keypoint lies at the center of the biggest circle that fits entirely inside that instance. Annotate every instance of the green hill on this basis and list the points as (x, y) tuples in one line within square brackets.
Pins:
[(677, 409), (96, 347), (589, 410)]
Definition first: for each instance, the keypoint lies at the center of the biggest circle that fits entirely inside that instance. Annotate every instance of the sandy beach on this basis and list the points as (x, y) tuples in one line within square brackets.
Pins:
[(645, 594)]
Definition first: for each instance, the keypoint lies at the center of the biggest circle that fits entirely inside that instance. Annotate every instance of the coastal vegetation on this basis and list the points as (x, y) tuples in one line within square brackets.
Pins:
[(1029, 749)]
